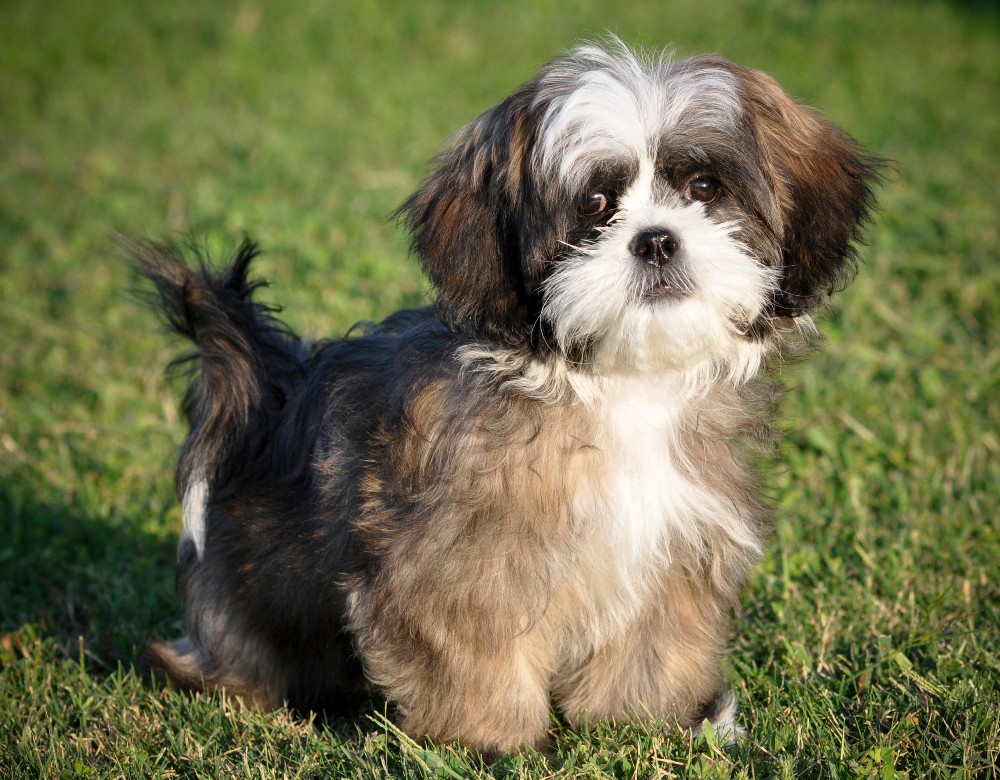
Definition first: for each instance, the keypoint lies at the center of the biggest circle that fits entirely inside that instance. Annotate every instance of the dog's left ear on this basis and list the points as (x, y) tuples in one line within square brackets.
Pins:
[(825, 186), (473, 221)]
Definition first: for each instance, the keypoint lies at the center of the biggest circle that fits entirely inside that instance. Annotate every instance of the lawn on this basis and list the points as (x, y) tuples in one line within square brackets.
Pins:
[(868, 644)]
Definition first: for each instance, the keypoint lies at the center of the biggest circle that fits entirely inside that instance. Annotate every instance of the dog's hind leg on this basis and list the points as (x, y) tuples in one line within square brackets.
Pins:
[(246, 672)]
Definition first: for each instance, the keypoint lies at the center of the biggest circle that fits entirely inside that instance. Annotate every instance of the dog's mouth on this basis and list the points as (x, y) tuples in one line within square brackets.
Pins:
[(666, 284)]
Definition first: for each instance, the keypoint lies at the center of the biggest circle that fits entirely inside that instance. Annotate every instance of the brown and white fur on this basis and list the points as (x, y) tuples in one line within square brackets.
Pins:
[(537, 492)]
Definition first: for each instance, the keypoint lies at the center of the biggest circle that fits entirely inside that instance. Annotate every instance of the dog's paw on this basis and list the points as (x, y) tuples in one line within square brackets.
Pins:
[(721, 714)]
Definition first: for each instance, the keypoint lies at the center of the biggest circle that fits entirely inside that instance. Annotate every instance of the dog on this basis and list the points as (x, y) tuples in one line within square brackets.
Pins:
[(541, 491)]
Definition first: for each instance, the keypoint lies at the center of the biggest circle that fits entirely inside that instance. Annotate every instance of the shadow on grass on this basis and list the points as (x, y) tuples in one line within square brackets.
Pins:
[(85, 582), (988, 8), (98, 590)]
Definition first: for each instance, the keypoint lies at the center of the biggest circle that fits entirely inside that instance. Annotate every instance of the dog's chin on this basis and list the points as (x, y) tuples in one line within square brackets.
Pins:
[(675, 329), (665, 285), (664, 289)]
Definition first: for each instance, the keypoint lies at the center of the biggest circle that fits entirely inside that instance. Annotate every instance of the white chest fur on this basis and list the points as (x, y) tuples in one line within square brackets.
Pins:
[(649, 505)]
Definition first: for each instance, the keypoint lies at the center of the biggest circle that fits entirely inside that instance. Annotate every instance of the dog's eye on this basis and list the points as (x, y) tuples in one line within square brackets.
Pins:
[(593, 204), (702, 189)]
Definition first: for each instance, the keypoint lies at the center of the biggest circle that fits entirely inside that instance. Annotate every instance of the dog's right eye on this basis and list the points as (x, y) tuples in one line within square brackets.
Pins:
[(593, 204)]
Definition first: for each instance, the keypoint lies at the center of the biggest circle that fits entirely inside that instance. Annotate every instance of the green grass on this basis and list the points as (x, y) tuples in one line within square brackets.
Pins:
[(869, 643)]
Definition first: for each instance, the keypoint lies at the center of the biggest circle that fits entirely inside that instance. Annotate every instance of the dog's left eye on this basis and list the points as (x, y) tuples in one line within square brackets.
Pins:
[(702, 189), (593, 204)]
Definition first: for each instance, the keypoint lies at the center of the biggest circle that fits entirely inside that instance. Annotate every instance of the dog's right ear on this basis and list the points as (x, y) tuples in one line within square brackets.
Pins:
[(472, 218), (825, 184)]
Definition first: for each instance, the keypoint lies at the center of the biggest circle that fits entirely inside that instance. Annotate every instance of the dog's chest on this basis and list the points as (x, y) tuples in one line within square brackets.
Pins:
[(644, 510)]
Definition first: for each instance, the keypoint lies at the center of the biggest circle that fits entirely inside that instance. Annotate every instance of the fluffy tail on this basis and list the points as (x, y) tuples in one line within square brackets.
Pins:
[(247, 361)]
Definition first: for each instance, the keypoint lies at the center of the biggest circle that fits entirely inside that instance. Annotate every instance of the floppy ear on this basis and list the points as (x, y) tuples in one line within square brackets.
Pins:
[(472, 221), (824, 183)]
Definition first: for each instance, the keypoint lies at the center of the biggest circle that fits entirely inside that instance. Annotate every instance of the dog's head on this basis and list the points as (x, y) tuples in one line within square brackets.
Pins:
[(633, 213)]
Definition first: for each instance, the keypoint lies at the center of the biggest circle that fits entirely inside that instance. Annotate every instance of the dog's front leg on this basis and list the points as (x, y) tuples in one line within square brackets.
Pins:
[(494, 699), (666, 663)]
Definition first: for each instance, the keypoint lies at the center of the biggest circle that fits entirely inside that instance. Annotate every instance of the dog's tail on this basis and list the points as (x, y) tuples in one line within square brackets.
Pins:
[(246, 360)]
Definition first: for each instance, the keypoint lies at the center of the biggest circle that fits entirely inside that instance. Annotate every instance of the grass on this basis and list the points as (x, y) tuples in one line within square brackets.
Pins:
[(868, 644)]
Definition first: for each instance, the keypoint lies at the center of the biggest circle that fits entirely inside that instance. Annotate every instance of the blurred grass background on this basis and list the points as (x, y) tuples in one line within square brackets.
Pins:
[(869, 641)]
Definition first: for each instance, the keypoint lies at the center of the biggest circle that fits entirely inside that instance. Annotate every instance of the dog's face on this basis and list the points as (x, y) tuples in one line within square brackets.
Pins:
[(641, 215)]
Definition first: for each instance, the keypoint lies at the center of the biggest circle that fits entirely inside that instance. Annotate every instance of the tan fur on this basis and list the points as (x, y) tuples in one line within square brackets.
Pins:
[(469, 591)]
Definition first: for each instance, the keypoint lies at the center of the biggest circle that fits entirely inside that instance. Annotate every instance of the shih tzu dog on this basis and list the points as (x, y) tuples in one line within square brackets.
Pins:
[(538, 492)]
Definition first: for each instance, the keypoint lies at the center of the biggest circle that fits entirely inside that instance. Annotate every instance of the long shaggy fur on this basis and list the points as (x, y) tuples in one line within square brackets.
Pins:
[(538, 492)]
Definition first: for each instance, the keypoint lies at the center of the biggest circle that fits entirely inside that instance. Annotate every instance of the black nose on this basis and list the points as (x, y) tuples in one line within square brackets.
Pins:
[(655, 247)]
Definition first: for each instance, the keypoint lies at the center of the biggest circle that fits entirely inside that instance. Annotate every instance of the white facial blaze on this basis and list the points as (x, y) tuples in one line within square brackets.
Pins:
[(620, 106)]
